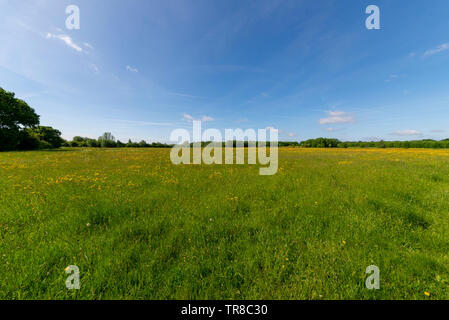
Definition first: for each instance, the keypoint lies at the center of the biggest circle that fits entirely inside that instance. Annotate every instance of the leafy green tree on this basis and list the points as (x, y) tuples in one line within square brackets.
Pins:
[(79, 139), (15, 115), (92, 143), (143, 144), (45, 145), (28, 141), (75, 144), (321, 143), (131, 144), (107, 140), (48, 134)]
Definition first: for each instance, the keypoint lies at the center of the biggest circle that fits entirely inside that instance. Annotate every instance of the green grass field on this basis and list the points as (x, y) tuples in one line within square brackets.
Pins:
[(139, 227)]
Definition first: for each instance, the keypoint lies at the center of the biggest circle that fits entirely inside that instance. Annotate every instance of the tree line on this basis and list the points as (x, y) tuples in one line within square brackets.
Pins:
[(107, 140), (335, 143), (245, 143), (20, 129)]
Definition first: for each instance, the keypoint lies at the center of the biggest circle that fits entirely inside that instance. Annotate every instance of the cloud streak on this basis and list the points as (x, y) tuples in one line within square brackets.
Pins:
[(131, 69), (333, 129), (440, 48), (88, 45), (407, 133), (66, 39), (335, 117), (189, 118), (94, 68)]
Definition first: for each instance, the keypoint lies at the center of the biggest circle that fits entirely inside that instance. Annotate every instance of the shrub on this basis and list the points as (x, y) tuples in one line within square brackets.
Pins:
[(45, 145), (28, 141)]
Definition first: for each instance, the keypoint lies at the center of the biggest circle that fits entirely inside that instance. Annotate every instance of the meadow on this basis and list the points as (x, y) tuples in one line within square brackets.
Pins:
[(139, 227)]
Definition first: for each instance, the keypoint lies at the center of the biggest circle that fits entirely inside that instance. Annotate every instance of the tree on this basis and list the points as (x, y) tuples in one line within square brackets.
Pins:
[(74, 144), (28, 141), (107, 136), (107, 140), (15, 115), (321, 143), (92, 143), (131, 144), (79, 139), (48, 134), (143, 144)]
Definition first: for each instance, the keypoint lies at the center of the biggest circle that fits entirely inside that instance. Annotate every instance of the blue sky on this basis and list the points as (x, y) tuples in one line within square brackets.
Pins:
[(141, 68)]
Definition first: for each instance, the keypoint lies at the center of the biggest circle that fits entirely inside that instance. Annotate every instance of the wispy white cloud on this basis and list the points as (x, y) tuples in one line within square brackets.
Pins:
[(67, 40), (94, 68), (189, 118), (407, 133), (333, 129), (225, 69), (88, 45), (207, 118), (291, 134), (391, 77), (337, 117), (131, 69), (440, 48), (371, 139), (183, 95)]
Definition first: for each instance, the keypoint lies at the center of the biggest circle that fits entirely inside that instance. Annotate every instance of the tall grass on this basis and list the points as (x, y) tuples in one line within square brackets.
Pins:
[(139, 227)]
